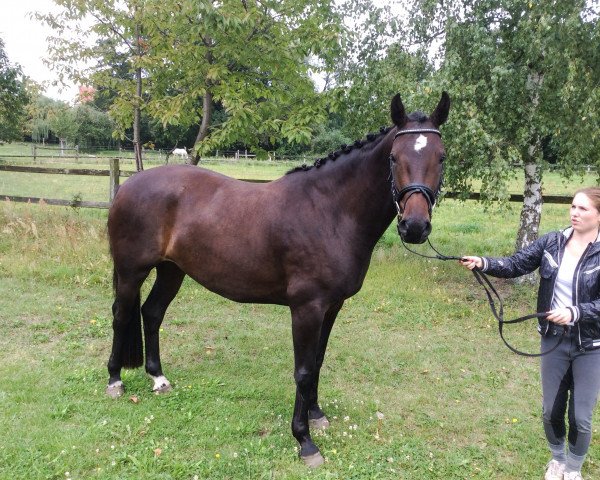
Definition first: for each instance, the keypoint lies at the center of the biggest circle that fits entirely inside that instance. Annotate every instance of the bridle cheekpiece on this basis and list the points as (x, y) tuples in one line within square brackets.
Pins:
[(412, 188)]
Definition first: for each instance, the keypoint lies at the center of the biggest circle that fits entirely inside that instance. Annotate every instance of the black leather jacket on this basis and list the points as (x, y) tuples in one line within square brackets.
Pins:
[(547, 253)]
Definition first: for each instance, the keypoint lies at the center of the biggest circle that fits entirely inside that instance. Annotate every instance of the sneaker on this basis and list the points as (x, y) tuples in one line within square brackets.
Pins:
[(555, 471), (573, 476)]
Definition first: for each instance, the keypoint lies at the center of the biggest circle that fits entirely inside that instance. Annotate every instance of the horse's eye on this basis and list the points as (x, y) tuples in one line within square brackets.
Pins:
[(443, 158), (392, 159)]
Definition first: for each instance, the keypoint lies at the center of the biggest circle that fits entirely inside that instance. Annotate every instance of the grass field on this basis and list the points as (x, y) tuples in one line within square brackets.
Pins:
[(417, 345)]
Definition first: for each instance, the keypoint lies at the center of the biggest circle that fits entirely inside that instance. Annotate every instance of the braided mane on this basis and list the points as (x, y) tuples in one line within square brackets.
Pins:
[(319, 162), (417, 116)]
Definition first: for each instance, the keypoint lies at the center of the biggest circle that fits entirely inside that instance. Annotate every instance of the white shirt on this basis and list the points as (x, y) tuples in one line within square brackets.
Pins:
[(563, 288)]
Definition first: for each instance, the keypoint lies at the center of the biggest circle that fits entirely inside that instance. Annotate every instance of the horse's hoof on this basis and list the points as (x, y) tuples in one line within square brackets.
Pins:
[(115, 390), (319, 423), (313, 461), (161, 384), (163, 389)]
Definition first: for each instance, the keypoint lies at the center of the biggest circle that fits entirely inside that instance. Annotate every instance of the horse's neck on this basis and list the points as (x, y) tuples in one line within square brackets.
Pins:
[(362, 183)]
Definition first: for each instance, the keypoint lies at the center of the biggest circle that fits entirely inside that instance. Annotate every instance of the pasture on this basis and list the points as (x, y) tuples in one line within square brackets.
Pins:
[(416, 380)]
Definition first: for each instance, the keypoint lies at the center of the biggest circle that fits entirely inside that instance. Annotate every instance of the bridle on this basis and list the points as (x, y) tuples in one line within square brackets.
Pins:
[(412, 188)]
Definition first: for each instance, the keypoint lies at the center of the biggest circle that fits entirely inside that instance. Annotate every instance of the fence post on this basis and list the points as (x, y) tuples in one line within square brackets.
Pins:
[(115, 173), (33, 147)]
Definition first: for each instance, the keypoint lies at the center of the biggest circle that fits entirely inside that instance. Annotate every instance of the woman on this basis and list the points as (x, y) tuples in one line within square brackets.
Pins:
[(569, 267)]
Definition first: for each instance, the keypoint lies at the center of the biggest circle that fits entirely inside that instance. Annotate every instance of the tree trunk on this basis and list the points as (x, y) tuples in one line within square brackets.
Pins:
[(531, 212), (207, 109), (137, 148), (137, 117)]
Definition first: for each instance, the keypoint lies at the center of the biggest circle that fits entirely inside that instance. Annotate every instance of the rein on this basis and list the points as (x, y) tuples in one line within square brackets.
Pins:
[(493, 297)]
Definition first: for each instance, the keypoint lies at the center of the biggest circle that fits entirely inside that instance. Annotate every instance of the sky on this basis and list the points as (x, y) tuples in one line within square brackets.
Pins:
[(25, 43)]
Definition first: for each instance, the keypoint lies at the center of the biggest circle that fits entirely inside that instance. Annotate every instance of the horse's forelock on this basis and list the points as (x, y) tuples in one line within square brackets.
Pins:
[(418, 116)]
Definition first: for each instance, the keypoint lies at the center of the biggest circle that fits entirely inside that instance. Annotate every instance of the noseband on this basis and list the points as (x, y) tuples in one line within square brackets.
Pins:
[(412, 188)]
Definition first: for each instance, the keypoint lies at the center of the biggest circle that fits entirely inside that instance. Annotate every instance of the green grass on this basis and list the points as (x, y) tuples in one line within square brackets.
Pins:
[(417, 344)]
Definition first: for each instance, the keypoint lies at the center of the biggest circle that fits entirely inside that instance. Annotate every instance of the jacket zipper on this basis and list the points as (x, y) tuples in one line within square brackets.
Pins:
[(576, 286)]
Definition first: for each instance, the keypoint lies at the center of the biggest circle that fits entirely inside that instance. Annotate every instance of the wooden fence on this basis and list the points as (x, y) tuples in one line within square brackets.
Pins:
[(115, 173)]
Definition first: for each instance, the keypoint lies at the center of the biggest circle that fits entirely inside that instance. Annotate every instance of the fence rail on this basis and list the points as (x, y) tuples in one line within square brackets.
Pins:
[(114, 173)]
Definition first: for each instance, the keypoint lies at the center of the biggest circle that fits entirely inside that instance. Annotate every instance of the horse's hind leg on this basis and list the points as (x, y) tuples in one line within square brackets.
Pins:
[(168, 281), (316, 417), (127, 348)]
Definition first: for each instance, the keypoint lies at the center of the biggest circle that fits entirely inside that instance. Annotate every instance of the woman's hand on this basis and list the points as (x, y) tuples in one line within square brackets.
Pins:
[(471, 262), (560, 316)]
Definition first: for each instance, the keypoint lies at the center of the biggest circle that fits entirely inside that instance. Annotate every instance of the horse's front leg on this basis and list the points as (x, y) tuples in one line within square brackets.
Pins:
[(316, 416), (306, 331)]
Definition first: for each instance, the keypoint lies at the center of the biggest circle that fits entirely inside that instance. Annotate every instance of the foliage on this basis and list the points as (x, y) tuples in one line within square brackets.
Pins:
[(93, 127), (521, 74), (373, 82), (251, 58), (39, 114), (13, 99), (61, 120), (329, 139)]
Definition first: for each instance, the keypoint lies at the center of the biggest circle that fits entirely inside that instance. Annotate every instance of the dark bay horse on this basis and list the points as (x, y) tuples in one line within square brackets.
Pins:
[(304, 240)]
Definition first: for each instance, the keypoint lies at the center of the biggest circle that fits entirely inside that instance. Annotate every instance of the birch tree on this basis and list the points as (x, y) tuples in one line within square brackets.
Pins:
[(524, 78)]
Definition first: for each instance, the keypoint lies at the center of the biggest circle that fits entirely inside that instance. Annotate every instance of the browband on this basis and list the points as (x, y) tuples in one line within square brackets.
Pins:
[(418, 130)]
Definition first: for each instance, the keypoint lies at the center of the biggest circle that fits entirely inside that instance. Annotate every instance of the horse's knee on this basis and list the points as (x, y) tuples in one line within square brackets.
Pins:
[(305, 378)]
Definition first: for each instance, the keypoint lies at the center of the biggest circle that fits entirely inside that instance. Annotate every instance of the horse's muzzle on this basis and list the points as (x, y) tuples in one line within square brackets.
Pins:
[(414, 230)]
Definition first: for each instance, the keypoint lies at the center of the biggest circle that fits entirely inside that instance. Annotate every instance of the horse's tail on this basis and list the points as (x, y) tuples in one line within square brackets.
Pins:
[(132, 352)]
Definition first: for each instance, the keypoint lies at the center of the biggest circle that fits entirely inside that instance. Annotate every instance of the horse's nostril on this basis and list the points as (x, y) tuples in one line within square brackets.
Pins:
[(413, 230), (402, 227)]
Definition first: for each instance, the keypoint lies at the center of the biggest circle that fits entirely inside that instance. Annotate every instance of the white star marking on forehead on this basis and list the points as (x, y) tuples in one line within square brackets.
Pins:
[(421, 143)]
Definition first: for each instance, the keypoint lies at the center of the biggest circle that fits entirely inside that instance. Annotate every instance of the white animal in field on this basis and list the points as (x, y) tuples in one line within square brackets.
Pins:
[(182, 152)]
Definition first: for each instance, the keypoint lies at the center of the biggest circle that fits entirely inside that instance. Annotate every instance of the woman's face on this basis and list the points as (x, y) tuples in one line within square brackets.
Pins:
[(585, 217)]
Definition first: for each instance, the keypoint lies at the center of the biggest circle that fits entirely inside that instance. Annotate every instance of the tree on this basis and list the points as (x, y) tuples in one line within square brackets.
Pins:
[(372, 82), (522, 75), (253, 58), (377, 64), (108, 36), (13, 99), (93, 127), (61, 120), (39, 111)]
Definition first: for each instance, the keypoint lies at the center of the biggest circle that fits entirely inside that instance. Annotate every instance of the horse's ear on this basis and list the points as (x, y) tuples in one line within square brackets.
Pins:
[(440, 114), (398, 113)]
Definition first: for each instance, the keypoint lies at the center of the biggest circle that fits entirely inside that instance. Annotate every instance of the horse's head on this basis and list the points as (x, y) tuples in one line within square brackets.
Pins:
[(416, 163)]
